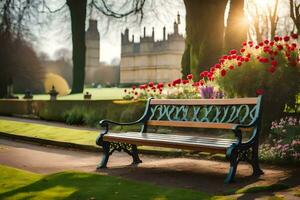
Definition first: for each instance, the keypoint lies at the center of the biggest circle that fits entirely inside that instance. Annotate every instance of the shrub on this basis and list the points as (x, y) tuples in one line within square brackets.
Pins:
[(74, 116), (58, 82), (269, 67)]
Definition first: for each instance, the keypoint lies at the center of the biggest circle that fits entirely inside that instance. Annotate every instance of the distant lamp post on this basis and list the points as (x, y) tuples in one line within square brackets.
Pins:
[(87, 96), (28, 94), (53, 93)]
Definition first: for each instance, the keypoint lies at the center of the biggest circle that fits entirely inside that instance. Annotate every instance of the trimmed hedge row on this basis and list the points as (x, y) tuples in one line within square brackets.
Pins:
[(87, 112)]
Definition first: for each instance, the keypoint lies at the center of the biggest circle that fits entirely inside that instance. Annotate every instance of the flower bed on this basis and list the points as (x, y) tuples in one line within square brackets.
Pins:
[(270, 68), (283, 145)]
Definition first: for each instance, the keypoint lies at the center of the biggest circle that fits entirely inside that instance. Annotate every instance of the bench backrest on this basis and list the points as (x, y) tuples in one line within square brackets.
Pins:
[(203, 113)]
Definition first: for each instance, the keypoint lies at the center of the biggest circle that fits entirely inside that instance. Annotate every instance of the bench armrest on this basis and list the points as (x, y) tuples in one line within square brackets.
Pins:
[(238, 133), (240, 126), (105, 123)]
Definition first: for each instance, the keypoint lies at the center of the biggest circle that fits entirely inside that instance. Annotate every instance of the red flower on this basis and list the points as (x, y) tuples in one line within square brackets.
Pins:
[(244, 43), (223, 72), (239, 64), (294, 36), (160, 85), (218, 66), (233, 51), (201, 82), (177, 81), (286, 38), (151, 84), (260, 91), (169, 84), (266, 41), (185, 82), (189, 76), (274, 63), (134, 87), (271, 43), (272, 69), (242, 50), (231, 67), (246, 59), (261, 44), (195, 84), (279, 47), (276, 38), (263, 60), (256, 47)]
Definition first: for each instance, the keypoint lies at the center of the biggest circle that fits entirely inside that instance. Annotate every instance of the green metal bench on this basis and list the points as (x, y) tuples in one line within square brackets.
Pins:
[(240, 115)]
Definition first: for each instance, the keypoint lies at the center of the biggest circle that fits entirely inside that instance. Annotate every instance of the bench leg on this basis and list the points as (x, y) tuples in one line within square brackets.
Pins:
[(255, 161), (135, 155), (232, 156), (106, 154)]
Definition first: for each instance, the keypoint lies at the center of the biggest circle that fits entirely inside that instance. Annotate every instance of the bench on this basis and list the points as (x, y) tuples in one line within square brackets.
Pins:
[(239, 115)]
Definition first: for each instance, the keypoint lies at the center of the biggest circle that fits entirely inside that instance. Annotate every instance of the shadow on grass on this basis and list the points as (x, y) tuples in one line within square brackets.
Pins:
[(81, 186), (292, 180)]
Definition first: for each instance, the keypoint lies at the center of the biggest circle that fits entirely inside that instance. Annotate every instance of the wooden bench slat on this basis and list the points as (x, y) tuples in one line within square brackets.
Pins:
[(190, 124), (235, 101)]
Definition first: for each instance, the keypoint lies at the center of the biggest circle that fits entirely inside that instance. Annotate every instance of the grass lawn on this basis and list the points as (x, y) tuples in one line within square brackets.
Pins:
[(97, 94), (49, 132), (18, 184)]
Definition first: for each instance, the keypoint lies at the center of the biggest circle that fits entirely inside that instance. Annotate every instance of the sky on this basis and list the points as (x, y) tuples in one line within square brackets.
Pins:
[(56, 33)]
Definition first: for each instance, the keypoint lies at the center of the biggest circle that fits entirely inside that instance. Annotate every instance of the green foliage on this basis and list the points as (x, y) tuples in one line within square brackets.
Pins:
[(271, 70), (74, 116), (185, 62)]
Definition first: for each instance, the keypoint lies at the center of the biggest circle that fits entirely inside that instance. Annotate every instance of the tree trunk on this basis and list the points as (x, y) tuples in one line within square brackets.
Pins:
[(236, 30), (78, 16), (204, 34)]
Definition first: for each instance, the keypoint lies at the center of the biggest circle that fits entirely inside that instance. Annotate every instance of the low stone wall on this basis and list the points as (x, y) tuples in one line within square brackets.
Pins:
[(55, 110)]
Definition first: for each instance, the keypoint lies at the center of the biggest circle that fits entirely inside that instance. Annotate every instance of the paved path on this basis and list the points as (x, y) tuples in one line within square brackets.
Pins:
[(201, 175)]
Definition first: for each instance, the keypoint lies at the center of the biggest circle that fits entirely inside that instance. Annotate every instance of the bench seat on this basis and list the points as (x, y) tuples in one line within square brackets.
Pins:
[(216, 145)]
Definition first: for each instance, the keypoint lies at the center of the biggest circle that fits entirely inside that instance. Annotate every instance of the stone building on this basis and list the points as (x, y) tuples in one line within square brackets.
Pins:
[(96, 72), (150, 60)]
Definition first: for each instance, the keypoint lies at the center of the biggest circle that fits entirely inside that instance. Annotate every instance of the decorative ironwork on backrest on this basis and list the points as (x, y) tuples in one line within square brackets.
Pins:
[(238, 111)]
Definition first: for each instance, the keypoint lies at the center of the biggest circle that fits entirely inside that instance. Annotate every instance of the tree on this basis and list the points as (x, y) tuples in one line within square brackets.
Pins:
[(237, 25), (17, 56), (204, 34), (265, 20), (78, 17), (295, 13)]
